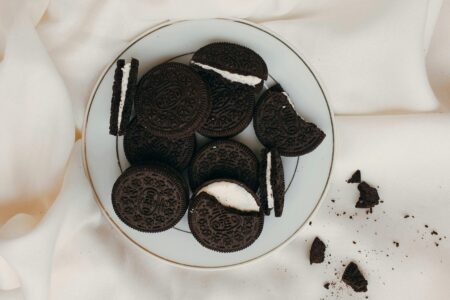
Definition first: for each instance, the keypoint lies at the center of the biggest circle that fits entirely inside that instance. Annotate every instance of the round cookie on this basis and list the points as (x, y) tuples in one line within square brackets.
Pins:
[(150, 198), (272, 187), (224, 159), (224, 216), (232, 106), (172, 101), (277, 124), (141, 146)]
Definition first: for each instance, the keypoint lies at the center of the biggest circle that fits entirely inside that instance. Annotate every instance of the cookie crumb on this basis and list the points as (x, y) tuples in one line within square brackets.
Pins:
[(317, 252), (353, 277), (355, 178)]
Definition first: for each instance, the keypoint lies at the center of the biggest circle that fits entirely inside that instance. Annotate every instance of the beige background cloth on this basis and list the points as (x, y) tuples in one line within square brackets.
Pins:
[(386, 69)]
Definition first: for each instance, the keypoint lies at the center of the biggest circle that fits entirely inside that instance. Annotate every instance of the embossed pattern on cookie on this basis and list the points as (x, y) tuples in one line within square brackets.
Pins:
[(277, 124), (141, 146), (150, 198), (172, 101), (224, 159), (232, 106), (221, 228)]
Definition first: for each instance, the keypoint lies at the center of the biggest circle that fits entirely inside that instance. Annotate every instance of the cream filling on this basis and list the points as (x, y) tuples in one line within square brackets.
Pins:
[(244, 79), (290, 101), (123, 91), (230, 194), (270, 200)]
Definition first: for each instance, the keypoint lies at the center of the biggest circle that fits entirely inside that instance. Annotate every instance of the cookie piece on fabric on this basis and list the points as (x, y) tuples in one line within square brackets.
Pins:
[(356, 177), (124, 90), (224, 159), (141, 146), (150, 198), (278, 125), (352, 276), (172, 101), (368, 196), (317, 252), (272, 187), (224, 216)]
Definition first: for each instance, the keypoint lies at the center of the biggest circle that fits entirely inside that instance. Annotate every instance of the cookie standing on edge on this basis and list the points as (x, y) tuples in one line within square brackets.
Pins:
[(271, 182), (172, 101), (224, 159), (225, 216), (140, 147), (150, 198), (234, 74), (277, 124), (124, 90)]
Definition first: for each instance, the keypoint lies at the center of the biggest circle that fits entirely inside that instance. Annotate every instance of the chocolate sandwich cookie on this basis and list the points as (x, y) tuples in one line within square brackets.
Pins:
[(225, 216), (277, 124), (172, 101), (224, 159), (234, 74), (233, 62), (272, 182), (124, 90), (232, 106), (150, 198), (141, 146)]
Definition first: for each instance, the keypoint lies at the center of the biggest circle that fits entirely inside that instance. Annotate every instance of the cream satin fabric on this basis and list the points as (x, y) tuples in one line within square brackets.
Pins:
[(371, 57)]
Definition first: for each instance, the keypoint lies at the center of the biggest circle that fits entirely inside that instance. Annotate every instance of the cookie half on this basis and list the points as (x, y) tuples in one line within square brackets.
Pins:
[(272, 187), (150, 198), (141, 146), (224, 216), (124, 90), (277, 124), (235, 63), (224, 159), (172, 101)]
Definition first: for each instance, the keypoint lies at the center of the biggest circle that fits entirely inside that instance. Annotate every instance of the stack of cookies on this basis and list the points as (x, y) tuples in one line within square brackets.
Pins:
[(229, 189)]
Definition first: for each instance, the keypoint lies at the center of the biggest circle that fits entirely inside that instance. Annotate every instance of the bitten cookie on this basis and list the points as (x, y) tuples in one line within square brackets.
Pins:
[(172, 101), (150, 198), (124, 89), (224, 216), (277, 124)]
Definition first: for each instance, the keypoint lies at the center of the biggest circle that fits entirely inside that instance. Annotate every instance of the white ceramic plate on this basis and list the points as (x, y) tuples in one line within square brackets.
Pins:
[(306, 178)]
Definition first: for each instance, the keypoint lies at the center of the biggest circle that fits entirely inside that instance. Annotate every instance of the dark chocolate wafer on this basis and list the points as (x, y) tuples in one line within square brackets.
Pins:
[(150, 198)]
